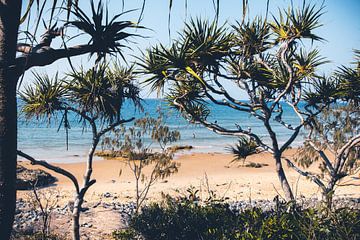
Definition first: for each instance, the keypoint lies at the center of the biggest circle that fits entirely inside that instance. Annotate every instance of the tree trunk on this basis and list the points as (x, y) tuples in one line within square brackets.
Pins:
[(87, 183), (9, 23), (283, 180), (328, 194), (76, 217)]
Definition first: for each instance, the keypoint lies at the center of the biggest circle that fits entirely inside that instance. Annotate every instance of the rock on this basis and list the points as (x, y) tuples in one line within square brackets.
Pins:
[(84, 209), (107, 195), (86, 225), (27, 179), (96, 204)]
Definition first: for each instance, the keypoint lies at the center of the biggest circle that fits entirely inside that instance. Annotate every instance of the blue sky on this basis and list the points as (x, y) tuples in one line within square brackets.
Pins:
[(341, 25)]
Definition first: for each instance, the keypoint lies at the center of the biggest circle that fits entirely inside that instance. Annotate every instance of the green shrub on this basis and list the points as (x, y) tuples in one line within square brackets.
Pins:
[(186, 219), (126, 234)]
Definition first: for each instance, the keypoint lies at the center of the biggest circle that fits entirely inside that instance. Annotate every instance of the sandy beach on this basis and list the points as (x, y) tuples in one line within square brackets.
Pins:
[(203, 171)]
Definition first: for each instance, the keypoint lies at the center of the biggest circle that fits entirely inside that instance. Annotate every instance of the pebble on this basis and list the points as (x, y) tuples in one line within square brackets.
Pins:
[(26, 218)]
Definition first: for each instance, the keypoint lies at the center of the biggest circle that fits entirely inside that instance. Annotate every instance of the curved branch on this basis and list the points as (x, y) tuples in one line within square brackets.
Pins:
[(47, 55), (324, 157), (111, 126), (351, 143), (222, 131), (81, 113), (56, 169), (306, 174), (290, 71), (291, 139)]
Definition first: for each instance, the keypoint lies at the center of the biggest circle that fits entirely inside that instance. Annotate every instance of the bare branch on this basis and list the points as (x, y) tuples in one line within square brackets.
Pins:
[(47, 55), (306, 174), (324, 157), (222, 131), (350, 143), (111, 126), (56, 169), (285, 47), (291, 139)]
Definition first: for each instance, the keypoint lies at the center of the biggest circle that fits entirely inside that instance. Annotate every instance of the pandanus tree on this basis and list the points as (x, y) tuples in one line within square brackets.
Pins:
[(96, 97), (22, 48), (334, 136), (262, 58)]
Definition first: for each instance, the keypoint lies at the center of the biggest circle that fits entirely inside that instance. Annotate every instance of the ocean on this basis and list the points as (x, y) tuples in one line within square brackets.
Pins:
[(45, 140)]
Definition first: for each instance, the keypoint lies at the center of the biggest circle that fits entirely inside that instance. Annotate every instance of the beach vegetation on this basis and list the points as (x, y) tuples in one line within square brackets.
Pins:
[(134, 144), (37, 35), (263, 57), (96, 97), (188, 219), (334, 136)]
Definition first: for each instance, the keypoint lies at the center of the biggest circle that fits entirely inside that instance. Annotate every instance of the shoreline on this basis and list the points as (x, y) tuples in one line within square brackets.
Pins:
[(202, 171), (110, 201)]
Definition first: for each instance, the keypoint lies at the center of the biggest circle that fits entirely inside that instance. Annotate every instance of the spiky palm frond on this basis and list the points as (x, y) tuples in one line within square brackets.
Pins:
[(191, 96), (252, 37), (275, 79), (165, 64), (43, 97), (357, 59), (244, 148), (155, 64), (304, 21), (349, 79), (201, 46), (101, 92), (299, 23), (206, 42), (322, 90), (306, 63), (124, 84), (105, 35)]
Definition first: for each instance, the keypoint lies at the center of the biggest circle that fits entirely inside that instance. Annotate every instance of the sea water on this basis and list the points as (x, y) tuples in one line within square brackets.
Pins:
[(46, 140)]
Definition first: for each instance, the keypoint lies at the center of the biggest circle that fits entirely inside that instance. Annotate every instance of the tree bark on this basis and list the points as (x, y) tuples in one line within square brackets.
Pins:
[(87, 183), (282, 178), (9, 23), (76, 217)]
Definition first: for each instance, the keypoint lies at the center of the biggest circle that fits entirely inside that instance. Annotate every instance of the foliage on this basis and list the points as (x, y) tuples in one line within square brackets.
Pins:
[(104, 34), (244, 148), (263, 58), (134, 144), (96, 97), (187, 219), (334, 139), (99, 91), (43, 97)]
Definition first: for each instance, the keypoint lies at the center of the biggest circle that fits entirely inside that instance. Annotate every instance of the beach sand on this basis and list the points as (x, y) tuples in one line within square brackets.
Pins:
[(206, 172), (203, 171)]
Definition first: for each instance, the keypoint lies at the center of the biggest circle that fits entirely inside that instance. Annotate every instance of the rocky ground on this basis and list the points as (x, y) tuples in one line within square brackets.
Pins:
[(100, 218), (28, 179)]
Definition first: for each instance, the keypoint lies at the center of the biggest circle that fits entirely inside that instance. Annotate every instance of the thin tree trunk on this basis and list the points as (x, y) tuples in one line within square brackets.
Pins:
[(279, 168), (282, 178), (87, 183), (328, 195), (76, 217), (9, 23)]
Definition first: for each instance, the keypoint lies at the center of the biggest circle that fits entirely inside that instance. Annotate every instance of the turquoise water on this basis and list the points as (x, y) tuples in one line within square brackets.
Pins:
[(43, 140)]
